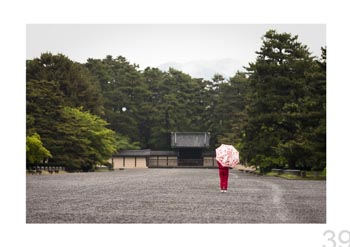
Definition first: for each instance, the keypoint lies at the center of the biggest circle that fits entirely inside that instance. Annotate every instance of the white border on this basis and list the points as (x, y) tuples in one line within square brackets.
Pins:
[(16, 14)]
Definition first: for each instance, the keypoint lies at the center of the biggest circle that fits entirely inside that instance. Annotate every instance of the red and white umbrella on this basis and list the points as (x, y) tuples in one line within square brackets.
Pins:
[(227, 155)]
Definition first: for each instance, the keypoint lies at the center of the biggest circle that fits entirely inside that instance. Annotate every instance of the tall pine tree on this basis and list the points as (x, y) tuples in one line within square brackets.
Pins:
[(275, 130)]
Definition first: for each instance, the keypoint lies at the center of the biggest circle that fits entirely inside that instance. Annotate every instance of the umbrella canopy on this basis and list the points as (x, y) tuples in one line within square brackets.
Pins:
[(227, 155)]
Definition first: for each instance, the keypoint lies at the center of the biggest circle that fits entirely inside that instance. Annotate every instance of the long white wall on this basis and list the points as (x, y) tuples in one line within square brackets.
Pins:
[(128, 162)]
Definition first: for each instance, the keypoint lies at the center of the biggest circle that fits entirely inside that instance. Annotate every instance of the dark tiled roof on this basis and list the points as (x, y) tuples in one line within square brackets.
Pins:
[(190, 139), (149, 152), (142, 152), (163, 153)]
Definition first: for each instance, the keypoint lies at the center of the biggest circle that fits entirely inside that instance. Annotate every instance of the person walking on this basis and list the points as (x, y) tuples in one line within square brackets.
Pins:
[(226, 156), (223, 174)]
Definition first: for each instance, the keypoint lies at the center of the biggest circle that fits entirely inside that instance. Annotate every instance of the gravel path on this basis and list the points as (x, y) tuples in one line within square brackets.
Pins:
[(172, 196)]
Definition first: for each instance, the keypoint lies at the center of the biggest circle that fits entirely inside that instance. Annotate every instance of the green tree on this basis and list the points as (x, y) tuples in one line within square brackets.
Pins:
[(85, 139), (213, 112), (123, 143), (224, 112), (275, 130), (315, 112), (156, 124), (124, 94), (178, 100), (308, 147), (233, 100), (182, 101), (36, 152), (156, 102), (44, 104), (74, 80), (75, 138)]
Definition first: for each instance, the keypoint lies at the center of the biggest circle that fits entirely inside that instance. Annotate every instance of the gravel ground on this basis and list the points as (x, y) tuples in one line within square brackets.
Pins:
[(172, 196)]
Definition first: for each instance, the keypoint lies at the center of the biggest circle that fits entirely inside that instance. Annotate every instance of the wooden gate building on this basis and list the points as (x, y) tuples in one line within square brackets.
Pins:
[(190, 149)]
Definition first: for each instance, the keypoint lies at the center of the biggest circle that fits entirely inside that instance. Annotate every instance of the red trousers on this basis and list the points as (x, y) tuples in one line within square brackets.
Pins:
[(223, 173)]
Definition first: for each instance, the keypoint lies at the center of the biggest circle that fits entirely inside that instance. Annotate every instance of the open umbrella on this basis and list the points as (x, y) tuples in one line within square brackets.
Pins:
[(227, 155)]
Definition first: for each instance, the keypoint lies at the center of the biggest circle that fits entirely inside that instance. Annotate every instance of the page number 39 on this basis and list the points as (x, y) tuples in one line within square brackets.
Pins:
[(333, 239)]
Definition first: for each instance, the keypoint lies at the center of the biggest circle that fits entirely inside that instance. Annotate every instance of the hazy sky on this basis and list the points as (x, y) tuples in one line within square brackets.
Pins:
[(192, 48)]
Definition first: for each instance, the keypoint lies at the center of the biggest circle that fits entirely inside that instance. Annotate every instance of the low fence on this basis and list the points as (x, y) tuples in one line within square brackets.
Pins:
[(39, 168), (129, 162), (209, 162), (162, 161), (190, 162), (174, 162), (288, 171), (300, 173)]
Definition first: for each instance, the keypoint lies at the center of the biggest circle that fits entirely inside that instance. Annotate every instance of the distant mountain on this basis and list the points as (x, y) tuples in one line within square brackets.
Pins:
[(206, 69)]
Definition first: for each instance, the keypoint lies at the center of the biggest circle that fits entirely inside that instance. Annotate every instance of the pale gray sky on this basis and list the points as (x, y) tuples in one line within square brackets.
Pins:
[(224, 48)]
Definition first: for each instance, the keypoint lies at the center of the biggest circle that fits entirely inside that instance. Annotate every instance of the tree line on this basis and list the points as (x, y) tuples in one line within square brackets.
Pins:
[(273, 111)]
